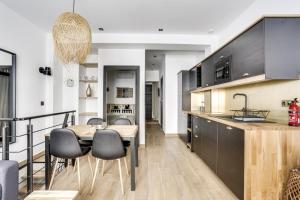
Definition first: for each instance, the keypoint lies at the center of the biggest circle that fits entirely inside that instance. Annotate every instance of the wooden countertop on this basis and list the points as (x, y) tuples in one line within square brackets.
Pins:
[(244, 125), (89, 131)]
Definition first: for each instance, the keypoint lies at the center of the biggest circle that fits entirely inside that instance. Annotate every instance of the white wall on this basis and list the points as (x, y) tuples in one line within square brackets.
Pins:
[(152, 76), (113, 82), (29, 43), (258, 9), (124, 57), (175, 62)]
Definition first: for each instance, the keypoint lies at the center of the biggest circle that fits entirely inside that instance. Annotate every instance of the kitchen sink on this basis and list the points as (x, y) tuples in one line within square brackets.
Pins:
[(246, 119)]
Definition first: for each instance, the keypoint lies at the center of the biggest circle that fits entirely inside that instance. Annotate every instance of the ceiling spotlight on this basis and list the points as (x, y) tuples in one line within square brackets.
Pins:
[(154, 56), (160, 29), (211, 31), (153, 64), (101, 29)]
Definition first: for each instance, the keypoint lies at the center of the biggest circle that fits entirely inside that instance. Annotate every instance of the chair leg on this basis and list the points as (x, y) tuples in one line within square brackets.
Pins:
[(74, 168), (53, 174), (126, 167), (78, 172), (103, 165), (121, 179), (95, 174), (88, 156)]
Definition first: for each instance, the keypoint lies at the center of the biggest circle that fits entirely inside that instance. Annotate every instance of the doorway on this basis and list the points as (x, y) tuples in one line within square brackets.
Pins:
[(148, 99), (162, 102), (121, 93)]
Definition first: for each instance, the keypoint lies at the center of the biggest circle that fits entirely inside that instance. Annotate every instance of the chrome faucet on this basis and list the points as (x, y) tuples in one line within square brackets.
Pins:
[(244, 95)]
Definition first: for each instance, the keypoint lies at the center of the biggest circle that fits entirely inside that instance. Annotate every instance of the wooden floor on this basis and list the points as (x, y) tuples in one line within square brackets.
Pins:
[(167, 170)]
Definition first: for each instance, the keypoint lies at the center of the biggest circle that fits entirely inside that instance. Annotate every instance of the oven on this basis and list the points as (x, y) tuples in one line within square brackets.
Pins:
[(223, 70)]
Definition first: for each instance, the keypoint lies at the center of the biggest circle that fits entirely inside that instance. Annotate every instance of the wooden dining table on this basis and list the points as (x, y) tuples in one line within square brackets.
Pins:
[(86, 133)]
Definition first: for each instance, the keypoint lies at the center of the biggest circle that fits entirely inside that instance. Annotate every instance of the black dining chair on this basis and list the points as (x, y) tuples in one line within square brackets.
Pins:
[(107, 145), (95, 121), (121, 121), (64, 144), (92, 121)]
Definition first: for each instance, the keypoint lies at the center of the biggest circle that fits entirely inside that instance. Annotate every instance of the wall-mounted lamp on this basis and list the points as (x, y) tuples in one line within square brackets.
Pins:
[(45, 71)]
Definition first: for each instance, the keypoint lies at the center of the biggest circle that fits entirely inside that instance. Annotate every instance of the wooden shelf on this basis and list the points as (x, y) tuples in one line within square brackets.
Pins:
[(90, 65), (84, 114), (189, 129), (89, 81), (88, 97), (245, 81)]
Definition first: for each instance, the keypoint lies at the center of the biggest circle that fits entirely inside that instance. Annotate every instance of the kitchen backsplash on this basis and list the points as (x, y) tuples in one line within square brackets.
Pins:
[(266, 95)]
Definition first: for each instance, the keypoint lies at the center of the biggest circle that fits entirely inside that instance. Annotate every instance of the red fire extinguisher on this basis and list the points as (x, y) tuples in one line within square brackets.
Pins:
[(294, 118)]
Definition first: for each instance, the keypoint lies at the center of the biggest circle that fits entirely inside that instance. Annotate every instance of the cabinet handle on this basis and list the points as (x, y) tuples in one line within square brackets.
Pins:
[(228, 127), (208, 121), (221, 57), (196, 136), (245, 74)]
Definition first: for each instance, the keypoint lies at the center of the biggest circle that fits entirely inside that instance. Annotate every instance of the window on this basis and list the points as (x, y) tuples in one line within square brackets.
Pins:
[(124, 92)]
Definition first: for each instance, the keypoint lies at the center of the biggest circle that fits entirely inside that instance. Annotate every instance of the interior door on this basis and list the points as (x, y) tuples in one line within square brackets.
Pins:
[(148, 99)]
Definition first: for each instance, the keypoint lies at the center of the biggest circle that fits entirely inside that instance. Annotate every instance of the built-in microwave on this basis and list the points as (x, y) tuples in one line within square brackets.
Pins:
[(223, 70)]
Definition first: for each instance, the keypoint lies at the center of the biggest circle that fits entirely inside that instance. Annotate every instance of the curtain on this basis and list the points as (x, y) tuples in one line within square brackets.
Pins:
[(4, 95)]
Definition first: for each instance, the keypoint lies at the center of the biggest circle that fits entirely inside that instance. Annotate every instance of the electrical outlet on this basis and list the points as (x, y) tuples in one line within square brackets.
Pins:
[(286, 103)]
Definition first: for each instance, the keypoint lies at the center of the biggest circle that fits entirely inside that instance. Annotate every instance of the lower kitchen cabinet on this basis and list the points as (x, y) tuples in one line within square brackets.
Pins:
[(196, 135), (209, 143), (230, 167)]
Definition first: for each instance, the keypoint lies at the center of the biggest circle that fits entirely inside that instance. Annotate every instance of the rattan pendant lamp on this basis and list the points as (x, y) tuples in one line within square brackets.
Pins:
[(72, 37)]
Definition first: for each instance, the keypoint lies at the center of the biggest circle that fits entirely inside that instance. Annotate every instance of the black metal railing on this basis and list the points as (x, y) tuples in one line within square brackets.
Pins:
[(30, 145)]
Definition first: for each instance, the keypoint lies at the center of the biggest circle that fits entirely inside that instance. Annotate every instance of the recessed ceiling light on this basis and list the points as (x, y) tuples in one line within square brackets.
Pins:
[(153, 64), (160, 29), (101, 29), (210, 31), (154, 56)]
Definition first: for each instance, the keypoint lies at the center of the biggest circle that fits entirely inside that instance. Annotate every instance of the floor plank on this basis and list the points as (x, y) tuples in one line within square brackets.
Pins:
[(167, 170)]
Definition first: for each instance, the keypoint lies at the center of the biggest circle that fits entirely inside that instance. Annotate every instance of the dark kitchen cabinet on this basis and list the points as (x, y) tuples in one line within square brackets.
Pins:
[(208, 73), (248, 53), (196, 135), (209, 143), (230, 167), (184, 96), (282, 47), (195, 77), (271, 47)]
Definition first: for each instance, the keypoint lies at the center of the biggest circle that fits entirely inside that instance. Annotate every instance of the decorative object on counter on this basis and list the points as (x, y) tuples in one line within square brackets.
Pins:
[(70, 82), (72, 37), (250, 115), (88, 91), (292, 190), (119, 109), (294, 116)]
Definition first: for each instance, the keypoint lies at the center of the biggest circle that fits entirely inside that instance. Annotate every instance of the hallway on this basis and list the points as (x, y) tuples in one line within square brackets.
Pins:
[(167, 170)]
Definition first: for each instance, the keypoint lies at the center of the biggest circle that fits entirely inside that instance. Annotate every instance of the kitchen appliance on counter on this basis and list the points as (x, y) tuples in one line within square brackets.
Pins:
[(223, 70)]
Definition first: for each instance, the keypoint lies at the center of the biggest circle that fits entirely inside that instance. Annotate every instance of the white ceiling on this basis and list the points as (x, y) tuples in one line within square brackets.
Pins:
[(137, 16)]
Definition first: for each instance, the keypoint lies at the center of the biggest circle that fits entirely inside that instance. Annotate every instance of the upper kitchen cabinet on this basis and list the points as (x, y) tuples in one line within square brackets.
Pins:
[(282, 48), (269, 48), (184, 96), (248, 53), (195, 77), (207, 75)]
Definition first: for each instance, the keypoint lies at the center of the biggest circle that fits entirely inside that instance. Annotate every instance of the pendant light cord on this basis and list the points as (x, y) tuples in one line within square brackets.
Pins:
[(73, 6)]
